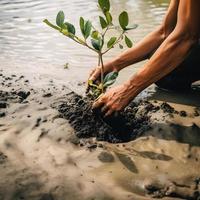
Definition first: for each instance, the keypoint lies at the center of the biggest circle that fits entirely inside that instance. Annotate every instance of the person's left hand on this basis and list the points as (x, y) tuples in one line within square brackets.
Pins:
[(113, 100)]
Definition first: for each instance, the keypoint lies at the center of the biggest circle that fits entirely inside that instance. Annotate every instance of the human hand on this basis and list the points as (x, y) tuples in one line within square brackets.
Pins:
[(114, 100), (95, 74)]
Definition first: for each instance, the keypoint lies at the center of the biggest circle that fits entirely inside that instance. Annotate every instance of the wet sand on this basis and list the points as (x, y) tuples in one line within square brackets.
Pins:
[(41, 157)]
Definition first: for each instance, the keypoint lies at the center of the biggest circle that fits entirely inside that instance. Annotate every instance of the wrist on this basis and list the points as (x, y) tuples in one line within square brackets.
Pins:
[(116, 64), (133, 86)]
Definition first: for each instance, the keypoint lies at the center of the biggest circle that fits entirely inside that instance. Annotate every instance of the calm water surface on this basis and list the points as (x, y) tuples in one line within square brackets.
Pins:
[(25, 39)]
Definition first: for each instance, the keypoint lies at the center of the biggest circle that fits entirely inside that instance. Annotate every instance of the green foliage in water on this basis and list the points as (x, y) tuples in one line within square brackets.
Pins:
[(97, 40)]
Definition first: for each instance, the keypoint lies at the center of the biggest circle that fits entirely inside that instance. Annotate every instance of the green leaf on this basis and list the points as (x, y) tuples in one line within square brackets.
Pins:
[(104, 5), (60, 18), (110, 78), (111, 42), (123, 20), (87, 29), (70, 27), (103, 22), (82, 26), (108, 17), (96, 44), (95, 35), (134, 26), (128, 42)]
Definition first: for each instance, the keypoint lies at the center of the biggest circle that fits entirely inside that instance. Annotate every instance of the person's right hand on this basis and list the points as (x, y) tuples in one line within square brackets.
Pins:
[(95, 74)]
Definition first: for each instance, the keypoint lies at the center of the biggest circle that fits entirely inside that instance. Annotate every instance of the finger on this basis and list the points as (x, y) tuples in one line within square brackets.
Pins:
[(109, 113), (92, 71), (87, 88), (97, 104), (89, 78), (104, 109), (100, 97), (96, 74)]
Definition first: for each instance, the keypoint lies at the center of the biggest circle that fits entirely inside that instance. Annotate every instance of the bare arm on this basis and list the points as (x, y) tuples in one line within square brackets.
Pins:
[(173, 50), (143, 49), (151, 42), (168, 56)]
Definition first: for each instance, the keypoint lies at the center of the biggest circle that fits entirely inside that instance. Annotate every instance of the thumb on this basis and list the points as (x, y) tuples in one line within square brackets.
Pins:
[(95, 75)]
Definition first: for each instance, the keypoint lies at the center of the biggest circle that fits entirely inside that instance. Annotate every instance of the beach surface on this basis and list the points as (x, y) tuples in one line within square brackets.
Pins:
[(41, 158), (41, 155)]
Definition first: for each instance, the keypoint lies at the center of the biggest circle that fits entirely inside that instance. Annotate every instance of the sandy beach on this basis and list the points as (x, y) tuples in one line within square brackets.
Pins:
[(42, 159), (54, 147)]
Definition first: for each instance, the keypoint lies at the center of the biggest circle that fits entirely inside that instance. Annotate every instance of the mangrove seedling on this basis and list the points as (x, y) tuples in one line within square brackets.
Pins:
[(96, 40)]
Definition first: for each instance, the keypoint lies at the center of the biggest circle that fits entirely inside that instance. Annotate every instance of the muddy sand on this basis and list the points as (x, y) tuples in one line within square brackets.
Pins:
[(53, 147)]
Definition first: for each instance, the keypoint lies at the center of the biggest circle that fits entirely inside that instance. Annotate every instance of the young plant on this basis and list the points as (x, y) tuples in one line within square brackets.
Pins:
[(96, 40)]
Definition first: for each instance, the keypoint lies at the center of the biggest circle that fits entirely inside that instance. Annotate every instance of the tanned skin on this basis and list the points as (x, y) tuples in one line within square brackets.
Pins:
[(171, 42)]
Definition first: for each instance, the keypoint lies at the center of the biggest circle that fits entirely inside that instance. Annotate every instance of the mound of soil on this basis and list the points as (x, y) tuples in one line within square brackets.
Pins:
[(127, 126)]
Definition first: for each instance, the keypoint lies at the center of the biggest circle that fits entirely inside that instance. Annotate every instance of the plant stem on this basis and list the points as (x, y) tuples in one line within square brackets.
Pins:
[(84, 44), (102, 70), (99, 60), (103, 35)]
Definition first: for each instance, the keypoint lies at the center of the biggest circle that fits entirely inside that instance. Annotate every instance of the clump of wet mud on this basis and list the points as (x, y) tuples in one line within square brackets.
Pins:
[(3, 158), (11, 97), (189, 191), (167, 108), (126, 126)]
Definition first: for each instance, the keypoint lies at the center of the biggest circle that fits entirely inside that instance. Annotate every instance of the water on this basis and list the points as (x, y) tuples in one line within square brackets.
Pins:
[(26, 41)]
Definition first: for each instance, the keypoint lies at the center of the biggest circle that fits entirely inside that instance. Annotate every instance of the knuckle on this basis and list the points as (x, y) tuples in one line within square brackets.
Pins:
[(92, 71), (111, 110), (101, 101), (103, 98), (114, 107), (109, 105)]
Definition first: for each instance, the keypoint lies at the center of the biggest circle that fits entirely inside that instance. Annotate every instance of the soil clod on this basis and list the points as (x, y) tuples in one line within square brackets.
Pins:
[(167, 108), (183, 113), (3, 104), (3, 158), (2, 114), (47, 95), (23, 94)]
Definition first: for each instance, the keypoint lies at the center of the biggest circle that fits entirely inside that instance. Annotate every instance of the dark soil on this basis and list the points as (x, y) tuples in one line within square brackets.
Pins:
[(3, 104), (12, 97), (128, 125), (3, 158), (196, 112), (167, 108), (183, 113)]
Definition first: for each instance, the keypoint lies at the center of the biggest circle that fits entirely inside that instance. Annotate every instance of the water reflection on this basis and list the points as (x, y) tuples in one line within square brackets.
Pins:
[(23, 36)]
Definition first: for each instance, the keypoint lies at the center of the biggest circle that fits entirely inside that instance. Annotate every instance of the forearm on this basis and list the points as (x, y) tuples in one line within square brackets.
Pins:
[(169, 55), (140, 51)]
